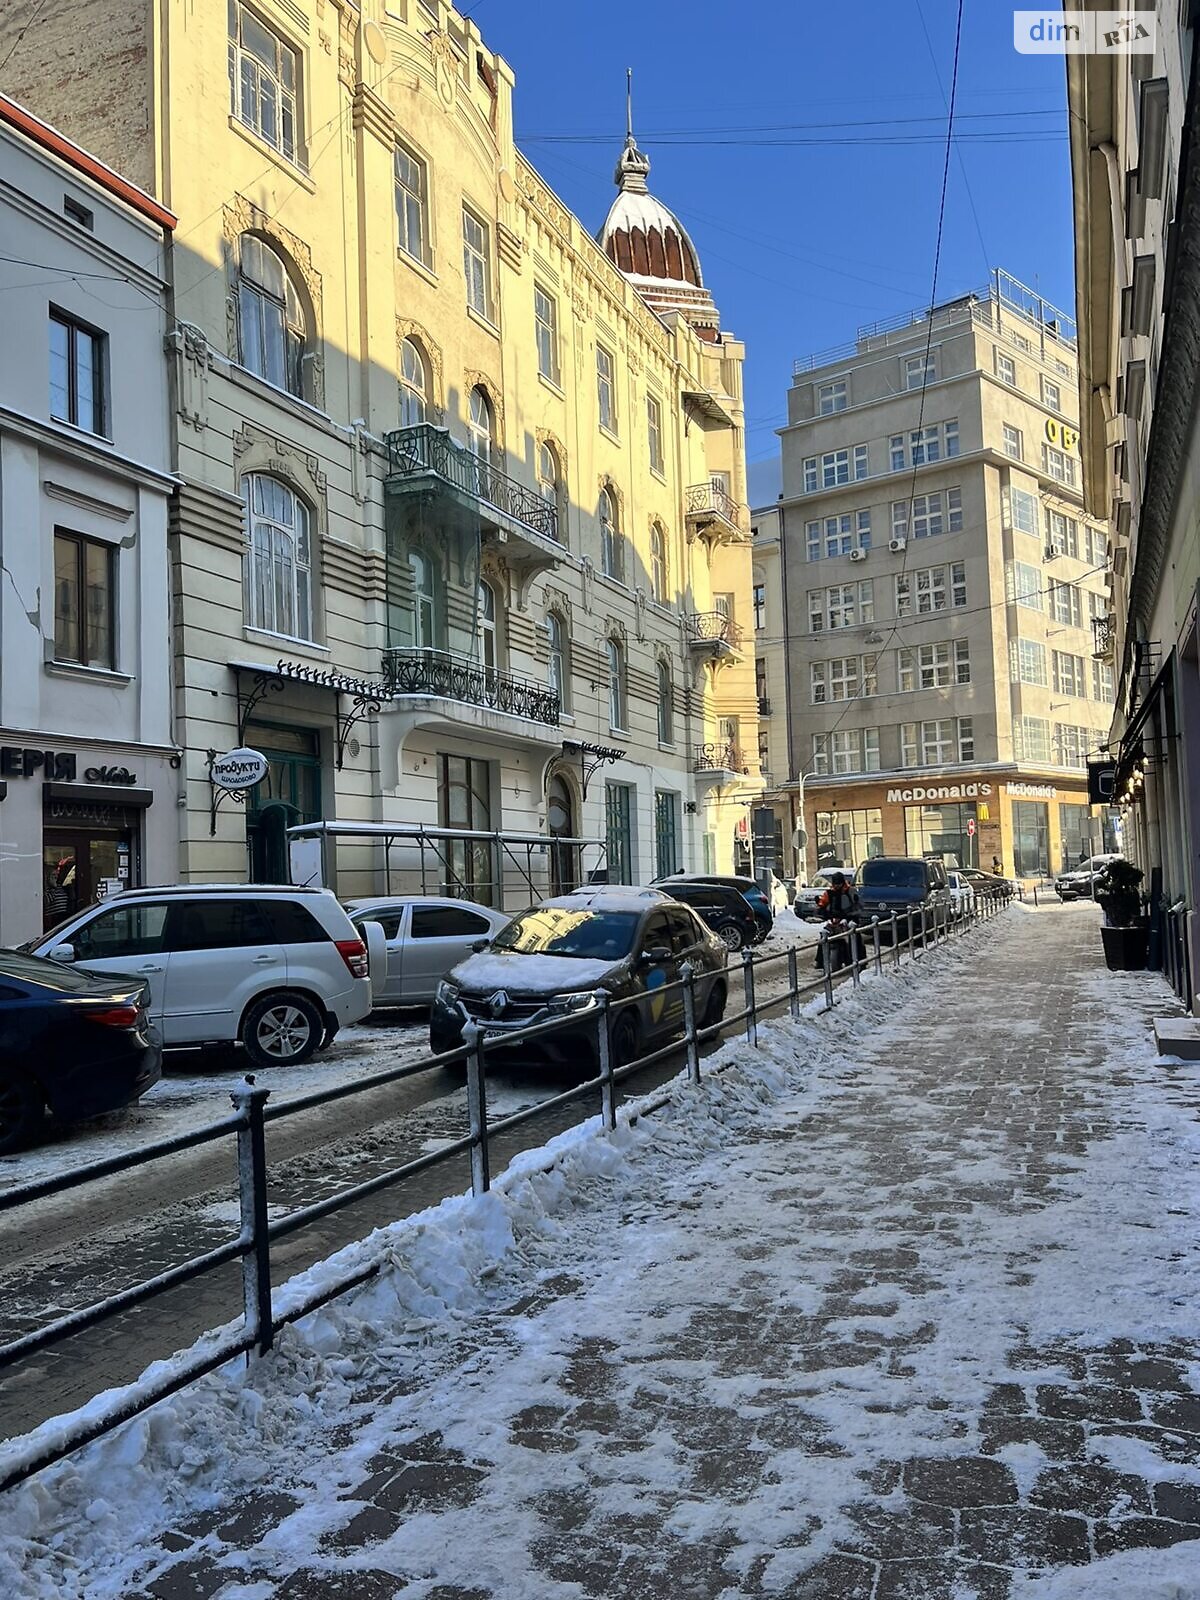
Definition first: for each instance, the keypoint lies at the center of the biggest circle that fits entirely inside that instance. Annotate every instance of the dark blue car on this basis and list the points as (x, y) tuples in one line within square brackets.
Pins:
[(72, 1042), (752, 892)]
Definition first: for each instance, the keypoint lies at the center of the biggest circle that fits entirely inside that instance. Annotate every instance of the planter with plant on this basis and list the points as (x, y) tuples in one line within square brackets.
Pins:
[(1125, 934)]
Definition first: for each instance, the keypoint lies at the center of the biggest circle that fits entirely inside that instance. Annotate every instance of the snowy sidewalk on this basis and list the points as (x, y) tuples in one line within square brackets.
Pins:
[(903, 1305)]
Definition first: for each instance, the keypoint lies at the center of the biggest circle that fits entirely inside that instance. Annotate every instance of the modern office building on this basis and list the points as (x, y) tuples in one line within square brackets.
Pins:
[(940, 578), (461, 541)]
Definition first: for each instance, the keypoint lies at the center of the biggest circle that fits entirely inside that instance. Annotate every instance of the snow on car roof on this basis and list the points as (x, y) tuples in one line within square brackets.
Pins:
[(610, 897)]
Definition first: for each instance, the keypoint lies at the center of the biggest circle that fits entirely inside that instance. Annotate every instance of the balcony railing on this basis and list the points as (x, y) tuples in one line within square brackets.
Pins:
[(1104, 636), (764, 705), (437, 672), (426, 451), (709, 503), (718, 758), (713, 628)]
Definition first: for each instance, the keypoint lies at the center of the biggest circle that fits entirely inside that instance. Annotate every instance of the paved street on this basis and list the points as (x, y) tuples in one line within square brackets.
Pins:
[(910, 1313)]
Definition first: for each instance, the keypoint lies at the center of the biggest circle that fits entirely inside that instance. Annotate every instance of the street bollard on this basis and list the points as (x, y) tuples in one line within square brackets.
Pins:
[(608, 1099), (826, 970), (688, 973), (252, 1205), (875, 939), (748, 987), (912, 949), (477, 1108), (895, 940), (793, 969)]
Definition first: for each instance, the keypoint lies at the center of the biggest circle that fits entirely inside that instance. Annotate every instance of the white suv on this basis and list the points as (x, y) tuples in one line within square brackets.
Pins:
[(277, 969)]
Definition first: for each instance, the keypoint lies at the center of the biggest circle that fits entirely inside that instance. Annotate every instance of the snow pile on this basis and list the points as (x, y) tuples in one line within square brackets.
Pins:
[(1132, 1575)]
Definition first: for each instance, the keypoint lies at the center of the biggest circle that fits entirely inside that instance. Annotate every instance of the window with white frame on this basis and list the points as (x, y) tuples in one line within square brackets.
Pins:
[(1023, 584), (919, 370), (545, 317), (1071, 745), (654, 433), (1006, 369), (1027, 661), (831, 397), (278, 558), (1097, 605), (1062, 533), (844, 678), (843, 605), (1103, 684), (1058, 465), (846, 750), (1051, 394), (1069, 674), (932, 514), (264, 82), (921, 446), (549, 479), (1022, 510), (827, 537), (412, 198), (933, 666), (943, 742), (414, 385), (1064, 604), (666, 706), (616, 683), (612, 545), (834, 467), (1031, 739), (477, 263), (658, 563), (606, 389), (557, 673), (1014, 442), (270, 318), (929, 589), (760, 606), (487, 627), (481, 433), (1095, 547)]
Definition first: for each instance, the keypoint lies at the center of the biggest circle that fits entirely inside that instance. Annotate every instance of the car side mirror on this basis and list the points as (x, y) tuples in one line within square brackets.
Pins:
[(61, 952), (655, 956), (480, 944)]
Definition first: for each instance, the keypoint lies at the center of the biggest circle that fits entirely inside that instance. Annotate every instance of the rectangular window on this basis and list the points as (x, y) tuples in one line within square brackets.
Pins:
[(1023, 584), (1068, 674), (921, 446), (837, 536), (606, 390), (929, 589), (831, 397), (1031, 838), (666, 833), (545, 316), (1070, 745), (1097, 605), (1031, 740), (1014, 444), (1062, 533), (933, 666), (1058, 465), (476, 268), (1095, 547), (654, 434), (84, 572), (1102, 682), (1006, 369), (846, 750), (932, 514), (1064, 604), (919, 370), (411, 198), (942, 742), (1027, 661), (1023, 510), (264, 79), (760, 607), (77, 361), (834, 467), (1051, 395), (618, 831), (843, 605)]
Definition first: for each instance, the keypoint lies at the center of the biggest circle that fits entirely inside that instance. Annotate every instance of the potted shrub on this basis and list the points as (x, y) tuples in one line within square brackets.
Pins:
[(1125, 934)]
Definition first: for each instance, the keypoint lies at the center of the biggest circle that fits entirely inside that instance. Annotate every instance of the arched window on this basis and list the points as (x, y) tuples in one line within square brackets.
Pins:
[(658, 564), (270, 320), (616, 683), (547, 472), (487, 627), (424, 601), (612, 553), (414, 386), (666, 709), (560, 824), (279, 558), (480, 426), (558, 664)]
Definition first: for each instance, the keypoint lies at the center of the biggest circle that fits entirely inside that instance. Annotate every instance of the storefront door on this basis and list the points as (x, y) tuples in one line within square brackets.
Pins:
[(289, 795), (78, 864), (1031, 838)]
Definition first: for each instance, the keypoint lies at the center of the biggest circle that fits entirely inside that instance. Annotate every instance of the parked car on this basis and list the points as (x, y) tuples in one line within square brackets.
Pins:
[(752, 891), (1079, 883), (988, 883), (805, 904), (721, 907), (71, 1043), (549, 961), (425, 937), (901, 884), (276, 969), (962, 893)]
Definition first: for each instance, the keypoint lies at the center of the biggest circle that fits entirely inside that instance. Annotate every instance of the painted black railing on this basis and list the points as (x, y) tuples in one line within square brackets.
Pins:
[(1104, 636), (427, 451), (470, 683), (718, 758)]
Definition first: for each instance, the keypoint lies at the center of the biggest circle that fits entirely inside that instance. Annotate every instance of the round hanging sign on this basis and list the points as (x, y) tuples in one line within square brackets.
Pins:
[(240, 769)]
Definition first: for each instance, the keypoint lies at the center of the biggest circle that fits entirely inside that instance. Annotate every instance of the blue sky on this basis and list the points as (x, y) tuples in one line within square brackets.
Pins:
[(802, 241)]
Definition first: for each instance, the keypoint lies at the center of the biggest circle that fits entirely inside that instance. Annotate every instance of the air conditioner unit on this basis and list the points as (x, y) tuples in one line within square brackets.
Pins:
[(1049, 553), (897, 545), (858, 555)]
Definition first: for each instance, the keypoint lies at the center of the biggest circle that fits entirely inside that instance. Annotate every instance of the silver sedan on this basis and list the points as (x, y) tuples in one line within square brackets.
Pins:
[(425, 937)]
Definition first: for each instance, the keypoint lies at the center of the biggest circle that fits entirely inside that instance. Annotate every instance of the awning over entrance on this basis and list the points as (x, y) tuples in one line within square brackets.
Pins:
[(353, 698)]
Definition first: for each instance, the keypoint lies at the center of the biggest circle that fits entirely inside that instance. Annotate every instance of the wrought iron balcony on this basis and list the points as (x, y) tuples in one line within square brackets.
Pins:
[(713, 514), (437, 672), (714, 632), (764, 706), (718, 758), (427, 452), (1104, 637)]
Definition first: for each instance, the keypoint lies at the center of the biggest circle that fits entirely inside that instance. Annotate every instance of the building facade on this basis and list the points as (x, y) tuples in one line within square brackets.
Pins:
[(460, 542), (940, 578), (89, 772), (1136, 177)]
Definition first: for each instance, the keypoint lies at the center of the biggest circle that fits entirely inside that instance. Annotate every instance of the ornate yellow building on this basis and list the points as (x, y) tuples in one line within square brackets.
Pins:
[(460, 540)]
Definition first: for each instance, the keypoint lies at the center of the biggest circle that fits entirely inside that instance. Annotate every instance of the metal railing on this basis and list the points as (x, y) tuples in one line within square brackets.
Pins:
[(428, 451), (841, 958), (711, 500), (764, 705), (713, 627), (718, 757), (1104, 636), (470, 683)]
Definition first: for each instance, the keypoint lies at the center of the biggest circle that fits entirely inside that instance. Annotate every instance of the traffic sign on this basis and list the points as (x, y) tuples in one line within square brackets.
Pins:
[(970, 827)]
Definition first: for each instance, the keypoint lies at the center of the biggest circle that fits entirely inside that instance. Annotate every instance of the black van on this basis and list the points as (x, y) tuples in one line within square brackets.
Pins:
[(901, 883)]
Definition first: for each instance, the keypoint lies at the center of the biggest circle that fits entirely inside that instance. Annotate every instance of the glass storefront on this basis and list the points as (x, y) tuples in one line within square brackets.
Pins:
[(465, 801), (1077, 831), (943, 831), (845, 838), (1031, 838)]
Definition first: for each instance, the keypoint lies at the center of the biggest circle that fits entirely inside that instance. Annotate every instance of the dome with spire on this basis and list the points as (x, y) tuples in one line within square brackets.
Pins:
[(651, 246)]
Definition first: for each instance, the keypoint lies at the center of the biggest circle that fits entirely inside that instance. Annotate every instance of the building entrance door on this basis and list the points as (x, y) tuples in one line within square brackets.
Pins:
[(560, 823), (76, 863)]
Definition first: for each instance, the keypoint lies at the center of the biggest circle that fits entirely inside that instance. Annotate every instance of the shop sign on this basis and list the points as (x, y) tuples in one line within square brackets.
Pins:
[(945, 791), (1032, 791), (119, 775), (1059, 434), (239, 769), (1102, 782), (57, 765)]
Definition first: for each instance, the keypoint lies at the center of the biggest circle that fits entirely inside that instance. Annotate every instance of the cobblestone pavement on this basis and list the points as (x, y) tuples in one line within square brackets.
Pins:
[(866, 1375)]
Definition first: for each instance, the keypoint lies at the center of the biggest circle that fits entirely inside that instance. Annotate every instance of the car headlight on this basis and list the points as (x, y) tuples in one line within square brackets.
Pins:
[(575, 1002), (447, 992)]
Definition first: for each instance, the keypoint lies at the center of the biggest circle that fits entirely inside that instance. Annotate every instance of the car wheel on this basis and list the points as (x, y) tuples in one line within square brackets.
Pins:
[(730, 936), (281, 1030), (626, 1040), (714, 1008), (21, 1109)]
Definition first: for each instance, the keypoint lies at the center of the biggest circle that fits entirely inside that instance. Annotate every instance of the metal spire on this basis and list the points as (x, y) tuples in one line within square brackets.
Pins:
[(633, 166), (629, 104)]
